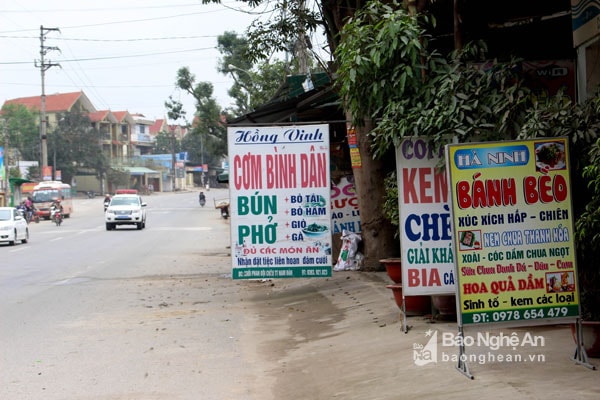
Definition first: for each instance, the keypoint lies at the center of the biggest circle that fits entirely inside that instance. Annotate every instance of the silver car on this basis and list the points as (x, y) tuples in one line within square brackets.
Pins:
[(125, 209), (13, 226)]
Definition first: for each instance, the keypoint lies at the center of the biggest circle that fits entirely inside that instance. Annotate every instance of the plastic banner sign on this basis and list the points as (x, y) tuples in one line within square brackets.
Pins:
[(345, 214), (280, 207), (513, 231), (425, 222)]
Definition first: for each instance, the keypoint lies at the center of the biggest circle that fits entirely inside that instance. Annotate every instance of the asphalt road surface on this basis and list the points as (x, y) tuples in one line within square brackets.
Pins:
[(90, 314), (125, 314)]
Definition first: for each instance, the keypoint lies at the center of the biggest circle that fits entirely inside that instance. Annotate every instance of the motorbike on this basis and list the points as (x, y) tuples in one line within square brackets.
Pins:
[(56, 215), (225, 212), (21, 211), (202, 202), (34, 216), (29, 215), (106, 203)]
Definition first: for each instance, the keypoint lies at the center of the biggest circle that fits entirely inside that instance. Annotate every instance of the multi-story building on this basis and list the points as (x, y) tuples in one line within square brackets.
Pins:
[(123, 136), (114, 133), (142, 140)]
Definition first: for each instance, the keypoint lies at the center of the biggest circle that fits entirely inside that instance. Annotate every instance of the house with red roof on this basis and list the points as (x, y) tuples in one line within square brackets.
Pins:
[(56, 103), (123, 136), (162, 126), (114, 133)]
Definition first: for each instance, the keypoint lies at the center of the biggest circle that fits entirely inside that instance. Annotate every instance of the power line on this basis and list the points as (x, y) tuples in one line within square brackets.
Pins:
[(140, 20), (116, 40), (116, 57), (57, 10)]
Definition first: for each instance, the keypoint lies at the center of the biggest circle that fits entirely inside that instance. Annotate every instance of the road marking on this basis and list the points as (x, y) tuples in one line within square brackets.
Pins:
[(20, 248), (179, 228), (102, 227)]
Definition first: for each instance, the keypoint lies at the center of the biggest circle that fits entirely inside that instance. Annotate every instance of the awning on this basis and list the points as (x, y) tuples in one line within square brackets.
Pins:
[(18, 181), (138, 171)]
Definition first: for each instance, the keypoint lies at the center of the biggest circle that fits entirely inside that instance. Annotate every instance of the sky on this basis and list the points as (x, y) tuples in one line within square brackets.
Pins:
[(123, 54)]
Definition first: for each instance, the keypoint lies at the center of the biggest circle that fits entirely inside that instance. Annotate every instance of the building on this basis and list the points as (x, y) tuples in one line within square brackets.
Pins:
[(123, 138)]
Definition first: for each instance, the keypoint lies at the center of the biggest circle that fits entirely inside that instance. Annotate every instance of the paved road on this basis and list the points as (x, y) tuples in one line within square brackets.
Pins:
[(125, 314), (88, 314)]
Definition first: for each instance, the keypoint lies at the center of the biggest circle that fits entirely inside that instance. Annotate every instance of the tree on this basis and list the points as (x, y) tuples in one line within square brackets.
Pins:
[(290, 22), (23, 131), (164, 144), (207, 128), (73, 146), (254, 83), (117, 178), (460, 97)]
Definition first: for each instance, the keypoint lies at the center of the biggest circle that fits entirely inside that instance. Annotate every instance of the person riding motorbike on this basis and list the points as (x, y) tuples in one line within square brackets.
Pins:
[(28, 208), (55, 207), (107, 199), (22, 209), (202, 199)]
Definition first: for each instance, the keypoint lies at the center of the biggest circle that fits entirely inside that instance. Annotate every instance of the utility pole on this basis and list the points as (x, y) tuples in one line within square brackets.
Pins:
[(44, 66), (5, 181), (173, 160)]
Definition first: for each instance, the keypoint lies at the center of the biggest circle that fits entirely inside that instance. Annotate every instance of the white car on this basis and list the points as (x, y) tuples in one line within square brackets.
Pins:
[(13, 226), (125, 209)]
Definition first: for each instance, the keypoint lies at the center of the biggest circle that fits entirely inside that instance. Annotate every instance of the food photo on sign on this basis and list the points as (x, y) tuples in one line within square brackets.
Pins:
[(511, 208)]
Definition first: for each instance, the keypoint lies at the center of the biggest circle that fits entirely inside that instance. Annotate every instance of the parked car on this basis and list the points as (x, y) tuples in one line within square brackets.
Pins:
[(125, 209), (13, 226)]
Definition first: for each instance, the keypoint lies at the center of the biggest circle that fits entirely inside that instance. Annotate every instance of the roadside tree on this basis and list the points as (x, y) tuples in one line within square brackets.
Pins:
[(23, 132), (73, 147)]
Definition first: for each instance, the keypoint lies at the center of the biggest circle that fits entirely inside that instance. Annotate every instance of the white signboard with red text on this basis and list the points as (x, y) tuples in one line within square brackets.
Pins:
[(425, 220), (279, 182)]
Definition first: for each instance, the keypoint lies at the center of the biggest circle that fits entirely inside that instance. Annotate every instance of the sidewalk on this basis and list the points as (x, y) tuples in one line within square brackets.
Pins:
[(342, 337)]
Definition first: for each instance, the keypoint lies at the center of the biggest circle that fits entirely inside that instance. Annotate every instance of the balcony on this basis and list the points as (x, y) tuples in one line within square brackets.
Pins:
[(142, 139)]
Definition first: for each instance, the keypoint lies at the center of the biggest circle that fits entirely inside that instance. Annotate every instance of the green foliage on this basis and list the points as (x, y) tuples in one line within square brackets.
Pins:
[(588, 225), (254, 84), (233, 49), (379, 59), (14, 172), (33, 173), (587, 229), (166, 144), (390, 204), (207, 140), (387, 74), (175, 110), (281, 31), (23, 131), (117, 178), (286, 21), (73, 145)]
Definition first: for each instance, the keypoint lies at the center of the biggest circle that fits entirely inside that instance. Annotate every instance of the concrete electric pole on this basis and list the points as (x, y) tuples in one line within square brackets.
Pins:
[(44, 66)]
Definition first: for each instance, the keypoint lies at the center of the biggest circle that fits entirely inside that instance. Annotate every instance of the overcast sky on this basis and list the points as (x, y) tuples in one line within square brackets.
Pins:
[(123, 54)]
